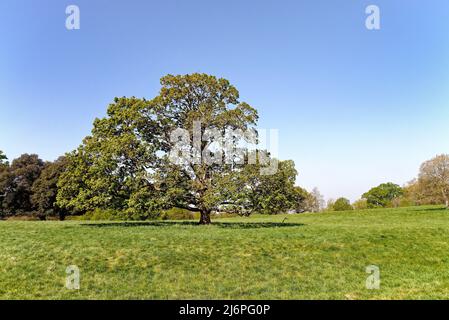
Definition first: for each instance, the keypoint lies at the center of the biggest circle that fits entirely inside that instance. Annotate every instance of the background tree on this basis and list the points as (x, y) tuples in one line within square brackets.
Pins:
[(434, 177), (3, 180), (360, 204), (315, 201), (416, 193), (342, 204), (300, 202), (330, 205), (44, 189), (382, 195), (16, 183), (3, 159)]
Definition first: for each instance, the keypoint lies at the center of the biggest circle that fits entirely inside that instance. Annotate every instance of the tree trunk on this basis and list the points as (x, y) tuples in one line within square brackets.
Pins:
[(205, 217)]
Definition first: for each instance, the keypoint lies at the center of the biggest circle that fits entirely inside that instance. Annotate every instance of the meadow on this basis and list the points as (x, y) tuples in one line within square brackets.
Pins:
[(305, 256)]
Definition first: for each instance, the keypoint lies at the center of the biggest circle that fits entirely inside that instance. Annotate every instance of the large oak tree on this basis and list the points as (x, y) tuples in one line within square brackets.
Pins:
[(127, 162), (214, 103)]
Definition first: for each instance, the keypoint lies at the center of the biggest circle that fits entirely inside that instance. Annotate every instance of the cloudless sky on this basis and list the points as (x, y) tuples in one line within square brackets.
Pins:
[(354, 107)]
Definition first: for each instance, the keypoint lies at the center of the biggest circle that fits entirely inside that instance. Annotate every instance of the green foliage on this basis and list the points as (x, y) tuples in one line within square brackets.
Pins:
[(382, 195), (104, 214), (144, 203), (179, 214), (44, 189), (4, 181), (124, 164), (110, 170), (16, 183), (215, 103), (406, 202), (301, 200), (361, 204), (267, 194), (115, 215), (342, 204)]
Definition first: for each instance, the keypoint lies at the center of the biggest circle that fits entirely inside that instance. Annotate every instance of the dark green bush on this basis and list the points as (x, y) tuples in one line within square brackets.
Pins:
[(104, 214), (179, 214)]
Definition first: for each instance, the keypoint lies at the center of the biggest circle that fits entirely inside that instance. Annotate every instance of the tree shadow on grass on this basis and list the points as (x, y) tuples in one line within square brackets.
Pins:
[(441, 208), (228, 225)]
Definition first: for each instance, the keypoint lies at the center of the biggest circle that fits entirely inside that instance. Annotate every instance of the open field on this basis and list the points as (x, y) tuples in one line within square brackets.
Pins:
[(321, 256)]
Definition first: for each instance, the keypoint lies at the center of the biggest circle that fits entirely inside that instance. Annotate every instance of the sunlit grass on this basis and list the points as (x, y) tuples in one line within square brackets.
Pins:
[(307, 256)]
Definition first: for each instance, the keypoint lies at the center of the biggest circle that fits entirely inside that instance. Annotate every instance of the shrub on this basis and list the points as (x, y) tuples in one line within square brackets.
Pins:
[(360, 204), (342, 204), (117, 215), (223, 214), (178, 214), (104, 214)]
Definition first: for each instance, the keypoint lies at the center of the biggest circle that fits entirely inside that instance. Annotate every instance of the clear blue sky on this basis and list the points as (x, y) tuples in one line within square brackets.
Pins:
[(354, 107)]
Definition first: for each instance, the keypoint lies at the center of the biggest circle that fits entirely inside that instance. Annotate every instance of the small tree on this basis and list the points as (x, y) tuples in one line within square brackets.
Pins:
[(3, 159), (300, 203), (3, 179), (314, 201), (330, 204), (342, 204), (434, 176), (382, 195), (360, 204)]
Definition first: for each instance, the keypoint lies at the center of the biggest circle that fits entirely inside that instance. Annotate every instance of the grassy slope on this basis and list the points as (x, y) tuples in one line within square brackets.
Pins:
[(311, 256)]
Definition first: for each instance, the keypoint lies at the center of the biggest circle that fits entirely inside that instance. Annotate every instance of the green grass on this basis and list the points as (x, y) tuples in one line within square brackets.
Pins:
[(310, 256)]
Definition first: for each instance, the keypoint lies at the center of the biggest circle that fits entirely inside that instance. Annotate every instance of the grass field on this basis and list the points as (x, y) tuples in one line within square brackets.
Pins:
[(309, 256)]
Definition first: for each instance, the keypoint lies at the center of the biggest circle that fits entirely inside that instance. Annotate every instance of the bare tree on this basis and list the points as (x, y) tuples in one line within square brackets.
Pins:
[(434, 176), (316, 201)]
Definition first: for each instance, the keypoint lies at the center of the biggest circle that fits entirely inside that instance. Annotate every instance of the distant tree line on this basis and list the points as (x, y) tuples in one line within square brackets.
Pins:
[(28, 186), (431, 187)]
